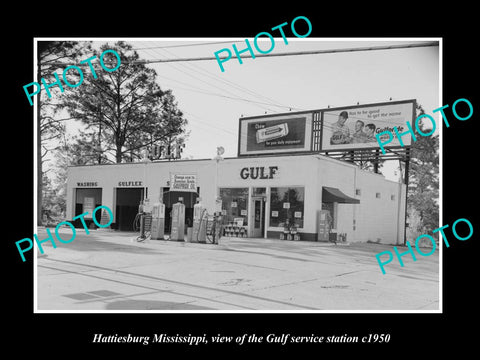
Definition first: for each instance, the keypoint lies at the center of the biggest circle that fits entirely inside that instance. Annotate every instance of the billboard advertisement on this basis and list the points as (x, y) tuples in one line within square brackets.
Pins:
[(275, 134), (351, 128)]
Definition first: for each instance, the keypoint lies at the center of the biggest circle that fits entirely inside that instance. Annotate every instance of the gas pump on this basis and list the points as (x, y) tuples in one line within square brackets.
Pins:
[(178, 221), (158, 220), (144, 216), (217, 219), (147, 207), (199, 225)]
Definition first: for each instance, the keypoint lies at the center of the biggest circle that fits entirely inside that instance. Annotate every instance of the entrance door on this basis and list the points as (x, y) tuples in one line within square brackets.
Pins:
[(87, 199), (172, 197), (258, 217), (127, 203)]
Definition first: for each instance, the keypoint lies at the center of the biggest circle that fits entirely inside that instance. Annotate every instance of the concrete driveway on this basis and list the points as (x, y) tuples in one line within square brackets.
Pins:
[(109, 271)]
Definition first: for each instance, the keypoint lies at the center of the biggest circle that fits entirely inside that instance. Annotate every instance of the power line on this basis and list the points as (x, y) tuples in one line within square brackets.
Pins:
[(293, 53), (236, 86), (208, 124), (296, 53), (235, 96), (221, 95), (184, 45)]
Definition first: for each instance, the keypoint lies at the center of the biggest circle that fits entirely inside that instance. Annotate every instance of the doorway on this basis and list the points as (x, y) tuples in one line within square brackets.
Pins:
[(86, 200), (128, 200), (189, 199), (258, 217)]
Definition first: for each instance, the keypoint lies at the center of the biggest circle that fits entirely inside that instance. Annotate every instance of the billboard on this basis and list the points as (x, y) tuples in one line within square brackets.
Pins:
[(351, 128), (275, 134)]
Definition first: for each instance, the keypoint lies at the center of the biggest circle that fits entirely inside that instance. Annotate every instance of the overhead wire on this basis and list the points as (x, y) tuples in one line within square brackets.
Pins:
[(371, 48), (197, 89), (185, 45), (331, 51), (325, 125), (230, 83), (296, 53), (213, 85), (215, 77), (203, 91), (152, 49)]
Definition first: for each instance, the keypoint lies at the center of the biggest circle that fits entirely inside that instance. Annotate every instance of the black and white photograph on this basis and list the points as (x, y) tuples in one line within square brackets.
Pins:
[(182, 188)]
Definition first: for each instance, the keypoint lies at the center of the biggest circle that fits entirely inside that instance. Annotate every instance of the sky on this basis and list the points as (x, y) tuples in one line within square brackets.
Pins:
[(213, 101)]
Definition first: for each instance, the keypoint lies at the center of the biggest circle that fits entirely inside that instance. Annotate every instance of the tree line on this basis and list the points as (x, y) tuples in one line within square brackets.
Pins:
[(119, 115)]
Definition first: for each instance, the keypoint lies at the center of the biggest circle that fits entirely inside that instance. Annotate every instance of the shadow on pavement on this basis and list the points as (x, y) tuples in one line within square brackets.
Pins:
[(101, 242)]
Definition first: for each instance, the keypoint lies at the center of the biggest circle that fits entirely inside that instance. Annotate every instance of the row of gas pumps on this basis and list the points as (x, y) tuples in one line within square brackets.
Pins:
[(151, 218)]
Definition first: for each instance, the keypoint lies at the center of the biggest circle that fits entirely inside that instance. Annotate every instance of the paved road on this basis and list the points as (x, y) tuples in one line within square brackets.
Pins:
[(109, 271)]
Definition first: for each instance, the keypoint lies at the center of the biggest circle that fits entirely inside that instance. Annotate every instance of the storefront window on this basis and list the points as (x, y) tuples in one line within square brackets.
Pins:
[(234, 204), (287, 203)]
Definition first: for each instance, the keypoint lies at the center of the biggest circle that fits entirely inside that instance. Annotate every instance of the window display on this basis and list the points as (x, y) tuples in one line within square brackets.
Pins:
[(287, 203), (234, 204)]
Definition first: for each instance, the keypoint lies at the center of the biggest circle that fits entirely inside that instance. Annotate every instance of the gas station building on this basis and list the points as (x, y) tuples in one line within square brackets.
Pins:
[(261, 192), (284, 171)]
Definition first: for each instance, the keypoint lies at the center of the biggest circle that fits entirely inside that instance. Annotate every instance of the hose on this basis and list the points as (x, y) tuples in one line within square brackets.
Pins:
[(201, 221), (136, 222)]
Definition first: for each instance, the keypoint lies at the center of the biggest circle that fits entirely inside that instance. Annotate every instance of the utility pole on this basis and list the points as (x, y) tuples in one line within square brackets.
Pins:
[(407, 166)]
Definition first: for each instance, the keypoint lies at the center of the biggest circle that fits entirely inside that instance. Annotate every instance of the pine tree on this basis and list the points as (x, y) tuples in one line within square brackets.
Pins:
[(126, 106), (423, 188), (49, 55)]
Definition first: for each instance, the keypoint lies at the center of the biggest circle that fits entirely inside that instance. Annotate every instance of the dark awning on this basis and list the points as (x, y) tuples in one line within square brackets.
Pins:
[(330, 194)]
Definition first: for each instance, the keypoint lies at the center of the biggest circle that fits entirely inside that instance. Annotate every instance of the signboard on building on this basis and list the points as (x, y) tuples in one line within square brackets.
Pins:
[(183, 182), (129, 184), (87, 184), (275, 134), (351, 128)]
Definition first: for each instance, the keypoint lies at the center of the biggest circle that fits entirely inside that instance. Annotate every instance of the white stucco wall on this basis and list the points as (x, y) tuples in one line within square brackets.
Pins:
[(372, 220)]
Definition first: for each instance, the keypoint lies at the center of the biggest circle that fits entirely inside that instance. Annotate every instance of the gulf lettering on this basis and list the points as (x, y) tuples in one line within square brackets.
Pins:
[(258, 172)]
